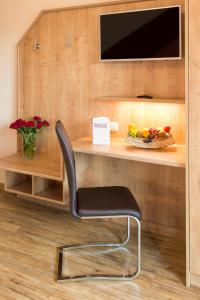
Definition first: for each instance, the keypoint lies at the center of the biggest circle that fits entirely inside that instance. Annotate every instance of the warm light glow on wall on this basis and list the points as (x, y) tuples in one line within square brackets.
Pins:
[(153, 115)]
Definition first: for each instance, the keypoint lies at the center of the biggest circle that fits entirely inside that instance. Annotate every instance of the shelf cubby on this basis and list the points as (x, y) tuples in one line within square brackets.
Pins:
[(47, 189), (18, 182)]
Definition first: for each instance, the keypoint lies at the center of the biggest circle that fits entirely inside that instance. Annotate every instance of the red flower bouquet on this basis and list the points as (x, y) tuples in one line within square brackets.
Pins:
[(28, 131)]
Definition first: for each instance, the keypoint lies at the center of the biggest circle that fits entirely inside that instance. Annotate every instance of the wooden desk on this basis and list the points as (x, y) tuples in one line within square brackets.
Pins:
[(156, 178), (173, 156)]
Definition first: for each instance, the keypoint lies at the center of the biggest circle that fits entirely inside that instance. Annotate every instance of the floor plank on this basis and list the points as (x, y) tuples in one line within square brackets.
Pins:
[(30, 235)]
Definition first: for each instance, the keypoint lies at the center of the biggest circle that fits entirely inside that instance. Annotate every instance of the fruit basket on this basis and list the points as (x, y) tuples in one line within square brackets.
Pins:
[(150, 138)]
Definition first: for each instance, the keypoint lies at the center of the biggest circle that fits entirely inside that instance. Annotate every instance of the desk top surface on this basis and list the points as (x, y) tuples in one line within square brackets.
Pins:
[(170, 156)]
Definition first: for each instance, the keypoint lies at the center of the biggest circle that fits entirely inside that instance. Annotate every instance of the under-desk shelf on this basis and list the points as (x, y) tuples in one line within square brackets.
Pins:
[(40, 178), (135, 99), (171, 156)]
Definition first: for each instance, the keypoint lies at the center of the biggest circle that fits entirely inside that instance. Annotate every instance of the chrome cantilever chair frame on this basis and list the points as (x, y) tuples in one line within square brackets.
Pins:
[(61, 278)]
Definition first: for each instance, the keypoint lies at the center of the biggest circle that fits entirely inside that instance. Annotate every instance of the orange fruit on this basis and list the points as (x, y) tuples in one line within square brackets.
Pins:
[(145, 132)]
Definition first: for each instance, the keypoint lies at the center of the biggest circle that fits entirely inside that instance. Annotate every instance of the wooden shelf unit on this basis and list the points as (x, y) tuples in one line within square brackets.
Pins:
[(145, 100), (40, 178)]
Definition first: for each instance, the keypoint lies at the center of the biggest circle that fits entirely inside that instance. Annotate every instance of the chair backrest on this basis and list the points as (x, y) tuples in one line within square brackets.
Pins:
[(69, 161)]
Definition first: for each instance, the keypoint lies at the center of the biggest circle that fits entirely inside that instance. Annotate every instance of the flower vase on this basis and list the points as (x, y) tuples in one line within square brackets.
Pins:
[(29, 145)]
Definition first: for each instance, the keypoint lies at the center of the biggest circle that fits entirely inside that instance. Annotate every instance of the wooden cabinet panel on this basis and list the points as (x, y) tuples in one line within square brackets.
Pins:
[(194, 133)]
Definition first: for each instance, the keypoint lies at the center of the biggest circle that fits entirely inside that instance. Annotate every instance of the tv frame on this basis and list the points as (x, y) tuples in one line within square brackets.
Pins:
[(144, 59)]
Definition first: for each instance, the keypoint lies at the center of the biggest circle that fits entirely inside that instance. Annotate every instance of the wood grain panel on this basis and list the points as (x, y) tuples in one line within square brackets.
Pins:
[(194, 131)]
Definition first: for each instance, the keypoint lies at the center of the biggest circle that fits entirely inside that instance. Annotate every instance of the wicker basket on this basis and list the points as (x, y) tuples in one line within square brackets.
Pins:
[(155, 144)]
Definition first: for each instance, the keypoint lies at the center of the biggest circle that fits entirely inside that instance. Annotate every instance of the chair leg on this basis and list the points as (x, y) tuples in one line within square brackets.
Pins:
[(128, 232), (62, 279)]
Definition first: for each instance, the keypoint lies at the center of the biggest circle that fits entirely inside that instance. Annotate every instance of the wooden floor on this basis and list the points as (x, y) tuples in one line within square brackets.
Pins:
[(30, 234)]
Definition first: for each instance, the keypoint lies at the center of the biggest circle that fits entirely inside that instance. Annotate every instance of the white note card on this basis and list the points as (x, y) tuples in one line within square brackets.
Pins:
[(101, 131)]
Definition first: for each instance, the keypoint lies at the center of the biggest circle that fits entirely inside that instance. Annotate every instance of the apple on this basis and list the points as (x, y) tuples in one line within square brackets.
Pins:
[(167, 129)]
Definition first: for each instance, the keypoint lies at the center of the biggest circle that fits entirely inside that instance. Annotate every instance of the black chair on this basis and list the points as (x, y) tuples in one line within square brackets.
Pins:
[(98, 202)]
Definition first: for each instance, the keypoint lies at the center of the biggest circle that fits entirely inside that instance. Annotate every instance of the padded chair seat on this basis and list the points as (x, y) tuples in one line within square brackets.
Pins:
[(107, 201)]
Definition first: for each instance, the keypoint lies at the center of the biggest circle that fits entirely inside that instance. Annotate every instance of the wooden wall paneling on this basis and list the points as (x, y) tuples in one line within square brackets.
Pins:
[(165, 78), (46, 102), (136, 78), (73, 73), (39, 78), (54, 76), (194, 146), (30, 63), (64, 83)]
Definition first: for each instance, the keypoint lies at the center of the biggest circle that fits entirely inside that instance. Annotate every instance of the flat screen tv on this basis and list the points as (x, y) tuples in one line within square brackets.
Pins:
[(149, 34)]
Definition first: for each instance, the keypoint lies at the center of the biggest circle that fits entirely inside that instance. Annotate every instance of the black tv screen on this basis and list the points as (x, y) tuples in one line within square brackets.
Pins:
[(148, 34)]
